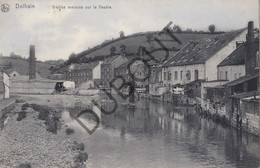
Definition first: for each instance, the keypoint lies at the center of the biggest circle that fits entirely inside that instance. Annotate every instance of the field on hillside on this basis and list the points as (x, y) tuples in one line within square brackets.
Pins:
[(22, 66), (133, 43)]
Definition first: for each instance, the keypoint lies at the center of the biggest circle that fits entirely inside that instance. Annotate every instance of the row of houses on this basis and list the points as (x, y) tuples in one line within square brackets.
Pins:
[(221, 73)]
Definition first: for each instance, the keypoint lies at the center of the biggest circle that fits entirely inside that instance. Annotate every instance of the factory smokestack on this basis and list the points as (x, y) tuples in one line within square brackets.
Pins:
[(32, 67)]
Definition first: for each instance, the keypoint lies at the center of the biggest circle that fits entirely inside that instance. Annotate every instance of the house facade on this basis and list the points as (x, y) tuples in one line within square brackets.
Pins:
[(233, 66), (84, 72), (108, 68), (198, 60), (242, 94)]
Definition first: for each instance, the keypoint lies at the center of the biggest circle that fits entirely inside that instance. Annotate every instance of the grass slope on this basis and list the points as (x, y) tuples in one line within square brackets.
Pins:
[(133, 42), (22, 66)]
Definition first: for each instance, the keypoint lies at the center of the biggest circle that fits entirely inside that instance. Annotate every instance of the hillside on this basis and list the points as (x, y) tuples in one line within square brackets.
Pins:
[(133, 42), (22, 66)]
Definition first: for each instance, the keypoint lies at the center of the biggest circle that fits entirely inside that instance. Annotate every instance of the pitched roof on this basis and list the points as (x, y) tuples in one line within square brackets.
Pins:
[(88, 65), (198, 52), (124, 65), (111, 59), (241, 79), (159, 55), (9, 71), (83, 66), (237, 57)]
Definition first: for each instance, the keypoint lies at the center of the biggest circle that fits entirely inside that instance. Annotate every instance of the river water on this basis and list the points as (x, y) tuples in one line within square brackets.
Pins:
[(160, 135)]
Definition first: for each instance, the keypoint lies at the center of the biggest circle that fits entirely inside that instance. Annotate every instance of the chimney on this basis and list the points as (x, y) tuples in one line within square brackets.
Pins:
[(32, 67), (251, 48)]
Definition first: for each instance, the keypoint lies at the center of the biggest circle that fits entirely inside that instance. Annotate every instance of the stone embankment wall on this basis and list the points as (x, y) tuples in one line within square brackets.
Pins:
[(32, 87)]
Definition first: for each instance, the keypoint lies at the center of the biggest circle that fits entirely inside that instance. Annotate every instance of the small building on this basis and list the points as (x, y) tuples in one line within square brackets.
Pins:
[(193, 89), (12, 73), (157, 89), (206, 100)]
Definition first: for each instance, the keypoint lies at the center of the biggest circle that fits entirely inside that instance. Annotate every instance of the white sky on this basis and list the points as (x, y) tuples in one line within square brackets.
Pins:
[(57, 34)]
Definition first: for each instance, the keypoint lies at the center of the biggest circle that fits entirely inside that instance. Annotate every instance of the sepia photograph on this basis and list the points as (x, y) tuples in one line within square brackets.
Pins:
[(129, 84)]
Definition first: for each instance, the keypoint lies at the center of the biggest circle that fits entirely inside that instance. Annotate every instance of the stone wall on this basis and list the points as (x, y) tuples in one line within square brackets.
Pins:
[(32, 87)]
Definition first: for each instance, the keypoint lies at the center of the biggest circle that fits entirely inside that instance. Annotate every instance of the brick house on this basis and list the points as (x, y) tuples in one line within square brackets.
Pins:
[(84, 72)]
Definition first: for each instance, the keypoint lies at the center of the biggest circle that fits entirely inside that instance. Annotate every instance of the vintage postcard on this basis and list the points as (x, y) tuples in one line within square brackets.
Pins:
[(129, 84)]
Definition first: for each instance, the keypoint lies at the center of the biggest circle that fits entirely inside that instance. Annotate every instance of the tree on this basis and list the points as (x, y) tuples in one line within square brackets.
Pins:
[(189, 30), (176, 28), (149, 37), (212, 28), (112, 50), (122, 34), (123, 49), (72, 58)]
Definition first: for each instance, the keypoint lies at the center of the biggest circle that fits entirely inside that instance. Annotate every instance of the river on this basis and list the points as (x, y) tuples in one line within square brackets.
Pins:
[(160, 135)]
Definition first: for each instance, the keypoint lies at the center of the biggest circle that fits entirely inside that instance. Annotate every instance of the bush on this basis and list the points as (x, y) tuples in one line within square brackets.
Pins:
[(43, 111), (19, 101), (77, 146), (52, 125), (69, 131), (24, 106), (81, 157), (21, 115)]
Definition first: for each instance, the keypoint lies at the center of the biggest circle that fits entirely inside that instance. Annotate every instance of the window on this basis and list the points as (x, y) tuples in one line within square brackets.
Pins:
[(188, 75), (235, 76), (14, 75), (181, 75), (175, 75), (226, 75), (239, 75), (164, 76), (196, 75), (169, 75), (220, 75)]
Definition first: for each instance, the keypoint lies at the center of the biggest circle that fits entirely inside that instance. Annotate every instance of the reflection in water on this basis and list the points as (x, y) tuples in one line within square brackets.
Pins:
[(159, 135)]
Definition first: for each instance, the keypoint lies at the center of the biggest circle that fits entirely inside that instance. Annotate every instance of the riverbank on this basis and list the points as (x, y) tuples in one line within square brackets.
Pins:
[(29, 138)]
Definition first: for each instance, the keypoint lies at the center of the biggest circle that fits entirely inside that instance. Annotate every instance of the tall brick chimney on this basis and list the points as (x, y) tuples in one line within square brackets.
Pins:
[(251, 49), (32, 67)]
